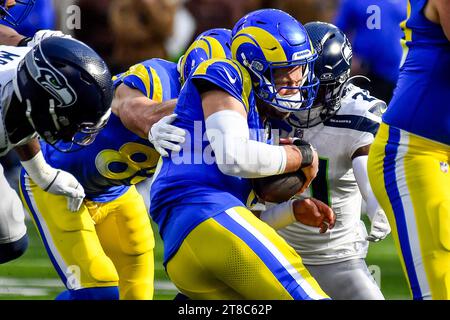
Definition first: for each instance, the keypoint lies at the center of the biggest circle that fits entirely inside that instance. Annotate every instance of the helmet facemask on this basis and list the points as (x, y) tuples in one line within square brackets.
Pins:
[(327, 103), (74, 138), (267, 91)]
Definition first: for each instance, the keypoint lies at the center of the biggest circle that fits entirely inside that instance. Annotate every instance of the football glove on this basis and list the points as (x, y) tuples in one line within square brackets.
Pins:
[(55, 181), (43, 34), (379, 228), (165, 136)]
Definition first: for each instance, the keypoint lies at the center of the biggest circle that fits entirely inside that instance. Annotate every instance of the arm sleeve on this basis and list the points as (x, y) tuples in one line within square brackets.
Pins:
[(235, 153), (360, 172)]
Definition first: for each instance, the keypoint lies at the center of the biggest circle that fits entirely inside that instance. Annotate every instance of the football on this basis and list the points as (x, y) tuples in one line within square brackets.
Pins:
[(279, 188)]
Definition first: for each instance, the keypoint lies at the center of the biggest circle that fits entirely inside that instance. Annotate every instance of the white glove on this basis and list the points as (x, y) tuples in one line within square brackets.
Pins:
[(55, 181), (43, 34), (380, 227), (67, 185), (162, 135)]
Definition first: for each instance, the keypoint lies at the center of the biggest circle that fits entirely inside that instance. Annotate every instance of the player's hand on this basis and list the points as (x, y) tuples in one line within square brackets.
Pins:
[(310, 172), (314, 213), (310, 161), (67, 185), (43, 34), (379, 228), (165, 136)]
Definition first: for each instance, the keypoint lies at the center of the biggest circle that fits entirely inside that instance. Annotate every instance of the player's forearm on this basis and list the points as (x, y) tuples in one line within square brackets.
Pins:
[(443, 9), (9, 36), (28, 150), (360, 171), (235, 153), (138, 113)]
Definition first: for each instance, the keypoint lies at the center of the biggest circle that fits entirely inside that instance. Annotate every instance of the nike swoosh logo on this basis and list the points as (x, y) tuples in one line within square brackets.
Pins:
[(230, 78)]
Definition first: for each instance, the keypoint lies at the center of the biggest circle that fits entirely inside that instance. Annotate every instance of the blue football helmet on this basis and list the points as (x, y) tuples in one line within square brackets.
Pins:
[(269, 39), (14, 14), (213, 43), (66, 90)]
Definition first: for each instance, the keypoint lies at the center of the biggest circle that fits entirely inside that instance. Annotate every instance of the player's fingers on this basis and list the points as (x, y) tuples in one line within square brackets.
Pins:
[(284, 141), (324, 226), (75, 198), (170, 146), (326, 212), (371, 238), (161, 151), (75, 204), (168, 128), (171, 137), (305, 186)]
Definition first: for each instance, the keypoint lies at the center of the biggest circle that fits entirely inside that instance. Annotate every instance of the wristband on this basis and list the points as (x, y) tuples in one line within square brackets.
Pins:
[(24, 42), (307, 151)]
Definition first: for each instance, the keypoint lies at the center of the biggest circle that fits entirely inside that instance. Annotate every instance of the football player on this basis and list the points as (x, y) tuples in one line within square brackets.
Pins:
[(341, 125), (106, 250), (215, 248), (41, 96), (409, 159)]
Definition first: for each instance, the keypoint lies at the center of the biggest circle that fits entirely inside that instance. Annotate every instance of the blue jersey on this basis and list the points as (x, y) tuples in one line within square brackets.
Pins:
[(371, 42), (119, 158), (421, 102), (42, 16), (189, 187)]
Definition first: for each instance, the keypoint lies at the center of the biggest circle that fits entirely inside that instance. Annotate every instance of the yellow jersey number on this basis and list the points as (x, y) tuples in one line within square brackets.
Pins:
[(135, 158)]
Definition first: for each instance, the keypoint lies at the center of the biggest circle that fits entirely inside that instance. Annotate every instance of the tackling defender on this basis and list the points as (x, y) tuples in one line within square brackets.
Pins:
[(409, 159), (215, 248), (341, 124), (41, 96)]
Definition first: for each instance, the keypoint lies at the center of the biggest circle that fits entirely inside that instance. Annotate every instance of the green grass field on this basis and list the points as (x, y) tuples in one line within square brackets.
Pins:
[(33, 277)]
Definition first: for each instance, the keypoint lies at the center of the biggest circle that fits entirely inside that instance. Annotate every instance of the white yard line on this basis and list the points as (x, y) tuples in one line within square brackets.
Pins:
[(41, 287), (26, 292)]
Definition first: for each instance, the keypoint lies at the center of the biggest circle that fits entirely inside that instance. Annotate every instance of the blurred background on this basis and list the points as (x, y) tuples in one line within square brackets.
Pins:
[(125, 32)]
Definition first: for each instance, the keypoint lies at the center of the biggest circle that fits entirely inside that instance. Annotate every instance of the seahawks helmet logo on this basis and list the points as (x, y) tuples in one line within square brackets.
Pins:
[(49, 78)]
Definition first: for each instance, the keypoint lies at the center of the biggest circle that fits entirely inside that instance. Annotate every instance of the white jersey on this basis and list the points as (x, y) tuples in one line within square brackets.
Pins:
[(336, 140), (9, 59)]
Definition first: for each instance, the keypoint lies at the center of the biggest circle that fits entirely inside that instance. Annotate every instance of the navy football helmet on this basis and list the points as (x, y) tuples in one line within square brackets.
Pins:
[(14, 12), (213, 43), (268, 40), (66, 89), (332, 67)]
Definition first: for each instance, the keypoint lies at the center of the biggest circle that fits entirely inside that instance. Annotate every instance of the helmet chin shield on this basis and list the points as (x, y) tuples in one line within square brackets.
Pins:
[(15, 15)]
